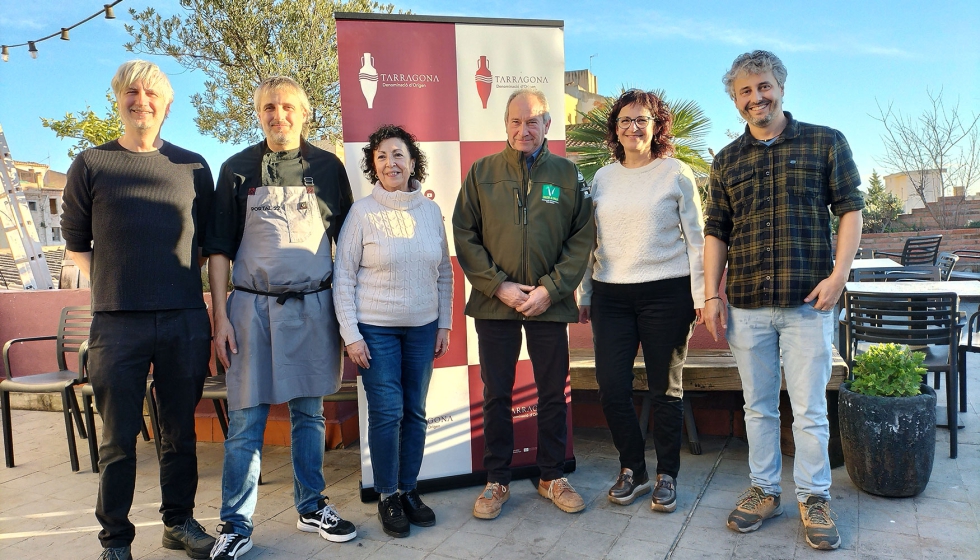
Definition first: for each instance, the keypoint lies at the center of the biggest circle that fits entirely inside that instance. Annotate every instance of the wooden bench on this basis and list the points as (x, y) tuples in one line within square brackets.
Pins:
[(705, 370)]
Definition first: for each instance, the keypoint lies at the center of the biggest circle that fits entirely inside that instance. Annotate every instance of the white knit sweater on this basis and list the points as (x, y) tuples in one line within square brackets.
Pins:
[(648, 227), (392, 265)]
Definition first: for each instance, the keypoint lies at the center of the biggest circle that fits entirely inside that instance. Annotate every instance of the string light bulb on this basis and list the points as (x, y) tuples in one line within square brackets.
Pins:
[(108, 12), (32, 49), (64, 34), (6, 53), (32, 45)]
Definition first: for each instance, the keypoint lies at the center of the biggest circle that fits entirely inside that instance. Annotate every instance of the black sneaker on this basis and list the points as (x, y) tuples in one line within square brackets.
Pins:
[(327, 522), (190, 537), (116, 553), (628, 487), (230, 545), (664, 494), (417, 512), (393, 519)]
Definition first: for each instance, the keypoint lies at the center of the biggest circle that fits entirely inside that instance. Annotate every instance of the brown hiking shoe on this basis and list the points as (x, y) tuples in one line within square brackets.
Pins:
[(491, 500), (562, 494), (754, 506), (821, 532)]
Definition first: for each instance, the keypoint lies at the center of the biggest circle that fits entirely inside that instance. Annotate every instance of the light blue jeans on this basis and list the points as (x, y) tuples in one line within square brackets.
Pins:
[(803, 335), (243, 460)]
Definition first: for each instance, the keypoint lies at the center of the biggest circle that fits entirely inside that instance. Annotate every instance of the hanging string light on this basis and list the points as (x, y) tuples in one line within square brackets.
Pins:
[(63, 33)]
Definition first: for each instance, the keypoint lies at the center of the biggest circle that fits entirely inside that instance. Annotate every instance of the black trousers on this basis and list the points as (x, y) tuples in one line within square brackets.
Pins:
[(122, 346), (658, 315), (500, 348)]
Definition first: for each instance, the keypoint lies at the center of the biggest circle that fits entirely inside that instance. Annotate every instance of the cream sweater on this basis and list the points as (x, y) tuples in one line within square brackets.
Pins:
[(648, 227), (392, 265)]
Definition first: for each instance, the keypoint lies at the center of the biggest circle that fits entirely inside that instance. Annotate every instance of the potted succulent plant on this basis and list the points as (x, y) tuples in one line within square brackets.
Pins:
[(888, 422)]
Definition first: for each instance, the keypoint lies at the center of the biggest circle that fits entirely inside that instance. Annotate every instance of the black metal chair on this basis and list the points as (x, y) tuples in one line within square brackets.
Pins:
[(923, 249), (969, 342), (969, 257), (946, 261), (898, 274), (73, 329), (930, 321)]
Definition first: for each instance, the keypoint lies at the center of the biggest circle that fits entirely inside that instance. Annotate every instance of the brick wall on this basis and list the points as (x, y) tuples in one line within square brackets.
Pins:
[(952, 240), (960, 210)]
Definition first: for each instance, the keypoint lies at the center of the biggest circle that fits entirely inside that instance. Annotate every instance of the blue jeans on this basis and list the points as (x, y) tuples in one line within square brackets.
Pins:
[(803, 335), (243, 460), (396, 385)]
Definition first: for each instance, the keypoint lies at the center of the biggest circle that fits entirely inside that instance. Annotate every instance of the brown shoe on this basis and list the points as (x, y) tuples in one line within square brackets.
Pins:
[(562, 494), (491, 500)]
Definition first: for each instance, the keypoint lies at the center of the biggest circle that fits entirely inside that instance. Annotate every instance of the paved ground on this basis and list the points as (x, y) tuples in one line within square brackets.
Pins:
[(46, 511)]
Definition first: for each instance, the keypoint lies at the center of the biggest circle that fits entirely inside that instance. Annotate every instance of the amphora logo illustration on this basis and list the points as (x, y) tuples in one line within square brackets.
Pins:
[(368, 76), (484, 80)]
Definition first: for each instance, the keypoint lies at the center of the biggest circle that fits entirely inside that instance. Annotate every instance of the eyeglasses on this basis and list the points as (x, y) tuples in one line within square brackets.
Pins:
[(641, 122)]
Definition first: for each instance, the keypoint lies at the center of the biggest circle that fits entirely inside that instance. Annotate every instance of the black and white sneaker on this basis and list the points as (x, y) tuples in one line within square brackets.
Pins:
[(230, 545), (327, 522)]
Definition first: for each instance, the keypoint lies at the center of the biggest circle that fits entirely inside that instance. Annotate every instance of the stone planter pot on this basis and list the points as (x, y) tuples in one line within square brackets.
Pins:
[(889, 443)]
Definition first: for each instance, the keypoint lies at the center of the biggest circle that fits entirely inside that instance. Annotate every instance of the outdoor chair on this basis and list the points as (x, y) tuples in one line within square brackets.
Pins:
[(966, 257), (73, 329), (902, 274), (927, 321), (918, 250), (969, 342), (946, 261), (88, 394)]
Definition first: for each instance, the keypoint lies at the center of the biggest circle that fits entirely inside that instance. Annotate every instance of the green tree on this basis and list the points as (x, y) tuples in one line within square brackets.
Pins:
[(87, 128), (881, 208), (238, 43), (588, 139)]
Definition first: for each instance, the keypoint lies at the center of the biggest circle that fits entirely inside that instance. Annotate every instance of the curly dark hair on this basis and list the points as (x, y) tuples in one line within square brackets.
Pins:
[(660, 146), (383, 133)]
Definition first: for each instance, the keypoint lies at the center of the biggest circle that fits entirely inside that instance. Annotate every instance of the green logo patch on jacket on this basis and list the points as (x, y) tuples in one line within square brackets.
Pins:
[(550, 193)]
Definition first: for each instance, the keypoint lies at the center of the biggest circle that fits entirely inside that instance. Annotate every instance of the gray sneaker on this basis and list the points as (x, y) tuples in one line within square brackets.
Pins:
[(754, 506), (116, 553)]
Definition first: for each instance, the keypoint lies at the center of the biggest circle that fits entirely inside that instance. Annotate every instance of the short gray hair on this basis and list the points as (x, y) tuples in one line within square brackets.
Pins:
[(277, 83), (755, 62), (530, 92)]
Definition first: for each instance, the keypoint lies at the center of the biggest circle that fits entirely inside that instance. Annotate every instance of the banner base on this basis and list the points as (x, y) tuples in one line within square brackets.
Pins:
[(464, 480)]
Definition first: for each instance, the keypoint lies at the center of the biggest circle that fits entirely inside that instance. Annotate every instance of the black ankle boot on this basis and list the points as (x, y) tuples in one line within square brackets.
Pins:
[(392, 517)]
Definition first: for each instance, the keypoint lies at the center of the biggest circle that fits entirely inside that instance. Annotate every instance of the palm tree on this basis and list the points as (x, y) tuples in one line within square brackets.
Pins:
[(587, 140)]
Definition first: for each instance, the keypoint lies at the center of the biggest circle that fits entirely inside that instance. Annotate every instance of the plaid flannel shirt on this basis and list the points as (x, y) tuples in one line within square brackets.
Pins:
[(769, 205)]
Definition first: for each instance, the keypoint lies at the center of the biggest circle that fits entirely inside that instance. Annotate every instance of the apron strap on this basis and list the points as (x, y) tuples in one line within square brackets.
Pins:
[(283, 297)]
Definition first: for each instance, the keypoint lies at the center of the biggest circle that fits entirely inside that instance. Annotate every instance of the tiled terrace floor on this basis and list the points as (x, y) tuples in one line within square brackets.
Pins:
[(46, 511)]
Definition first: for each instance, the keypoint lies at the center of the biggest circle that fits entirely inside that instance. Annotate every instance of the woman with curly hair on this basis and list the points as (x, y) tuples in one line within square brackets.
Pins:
[(644, 277), (393, 294)]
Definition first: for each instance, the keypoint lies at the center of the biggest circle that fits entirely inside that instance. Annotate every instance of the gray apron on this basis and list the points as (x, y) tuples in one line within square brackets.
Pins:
[(287, 333)]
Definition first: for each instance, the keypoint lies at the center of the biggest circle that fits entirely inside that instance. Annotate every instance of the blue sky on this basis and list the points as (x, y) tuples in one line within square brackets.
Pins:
[(843, 58)]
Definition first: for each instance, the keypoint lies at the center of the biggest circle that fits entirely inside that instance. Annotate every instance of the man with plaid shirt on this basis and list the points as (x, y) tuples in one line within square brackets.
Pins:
[(767, 219)]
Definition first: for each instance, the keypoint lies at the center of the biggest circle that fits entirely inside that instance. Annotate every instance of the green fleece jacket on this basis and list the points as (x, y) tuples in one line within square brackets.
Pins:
[(534, 228)]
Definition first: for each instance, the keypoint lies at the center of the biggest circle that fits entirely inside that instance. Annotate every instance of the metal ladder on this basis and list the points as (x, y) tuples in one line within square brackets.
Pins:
[(18, 227)]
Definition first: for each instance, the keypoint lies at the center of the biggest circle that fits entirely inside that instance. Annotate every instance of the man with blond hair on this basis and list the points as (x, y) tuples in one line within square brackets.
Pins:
[(134, 213), (523, 228), (767, 218), (278, 205)]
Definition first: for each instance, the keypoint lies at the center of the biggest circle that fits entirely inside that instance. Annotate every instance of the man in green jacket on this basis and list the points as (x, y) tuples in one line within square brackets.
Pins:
[(523, 229)]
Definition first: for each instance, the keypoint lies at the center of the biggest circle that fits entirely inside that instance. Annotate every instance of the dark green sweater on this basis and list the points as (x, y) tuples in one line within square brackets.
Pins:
[(142, 216)]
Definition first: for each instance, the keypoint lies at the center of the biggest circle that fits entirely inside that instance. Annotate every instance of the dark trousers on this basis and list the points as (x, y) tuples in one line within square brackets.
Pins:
[(500, 348), (122, 346), (658, 315)]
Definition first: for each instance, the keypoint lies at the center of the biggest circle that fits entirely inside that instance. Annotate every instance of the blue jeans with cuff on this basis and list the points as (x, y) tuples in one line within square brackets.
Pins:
[(243, 460), (396, 386), (803, 336)]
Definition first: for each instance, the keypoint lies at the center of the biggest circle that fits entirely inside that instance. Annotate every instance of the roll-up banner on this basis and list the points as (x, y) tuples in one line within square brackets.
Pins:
[(446, 80)]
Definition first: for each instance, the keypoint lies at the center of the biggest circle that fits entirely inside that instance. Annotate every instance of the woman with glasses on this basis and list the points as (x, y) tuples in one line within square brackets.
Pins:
[(393, 294), (644, 278)]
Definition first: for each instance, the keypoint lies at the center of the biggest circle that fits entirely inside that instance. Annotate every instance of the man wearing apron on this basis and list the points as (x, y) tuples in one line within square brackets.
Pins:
[(277, 206)]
